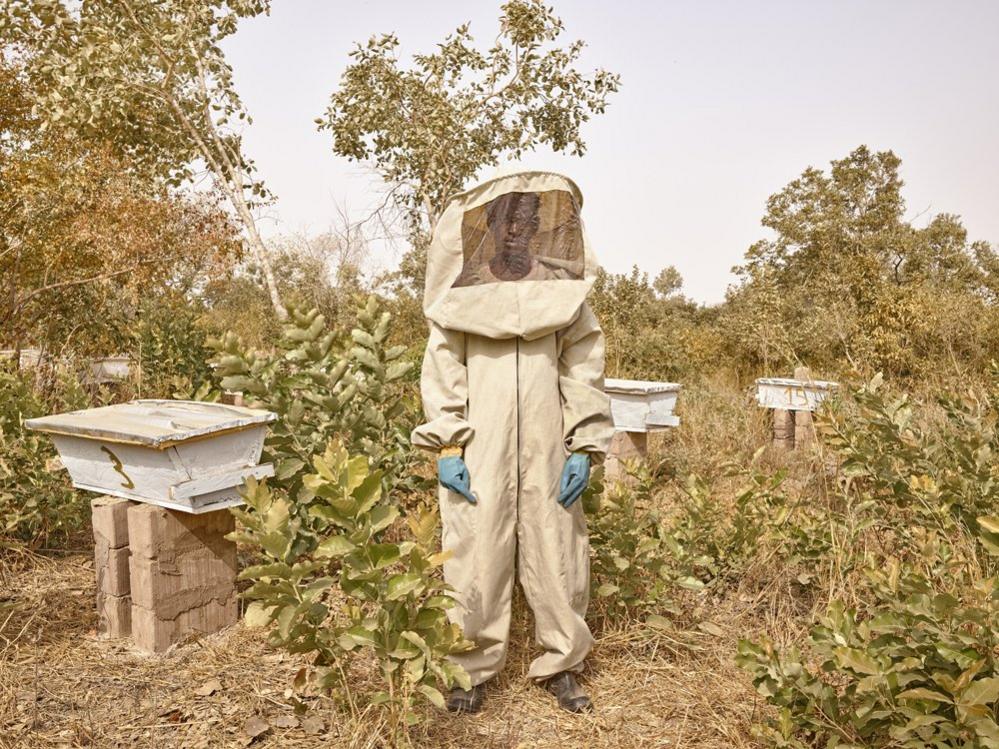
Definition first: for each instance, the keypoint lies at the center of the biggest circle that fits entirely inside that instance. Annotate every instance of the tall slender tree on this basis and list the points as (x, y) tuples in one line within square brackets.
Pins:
[(429, 126), (149, 78)]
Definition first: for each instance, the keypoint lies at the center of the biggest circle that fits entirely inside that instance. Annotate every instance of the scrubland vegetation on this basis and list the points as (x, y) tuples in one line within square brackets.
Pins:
[(841, 595)]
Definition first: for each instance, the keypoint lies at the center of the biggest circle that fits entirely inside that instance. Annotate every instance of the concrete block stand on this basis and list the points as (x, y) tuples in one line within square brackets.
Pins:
[(114, 601), (792, 403), (163, 576)]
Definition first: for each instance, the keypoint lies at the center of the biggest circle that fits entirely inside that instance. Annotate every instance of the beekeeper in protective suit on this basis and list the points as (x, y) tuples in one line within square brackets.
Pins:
[(512, 389)]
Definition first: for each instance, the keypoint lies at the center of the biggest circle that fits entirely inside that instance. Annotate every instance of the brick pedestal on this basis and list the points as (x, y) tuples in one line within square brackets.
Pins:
[(162, 575), (783, 428), (624, 446), (109, 516), (182, 574), (804, 428)]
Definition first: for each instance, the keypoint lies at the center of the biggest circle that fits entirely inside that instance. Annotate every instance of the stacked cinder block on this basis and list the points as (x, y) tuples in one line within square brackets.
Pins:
[(624, 446), (784, 428), (183, 573), (111, 563)]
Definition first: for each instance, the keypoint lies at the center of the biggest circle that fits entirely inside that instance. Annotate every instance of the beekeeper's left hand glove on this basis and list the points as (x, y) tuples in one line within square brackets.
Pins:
[(575, 477), (453, 473)]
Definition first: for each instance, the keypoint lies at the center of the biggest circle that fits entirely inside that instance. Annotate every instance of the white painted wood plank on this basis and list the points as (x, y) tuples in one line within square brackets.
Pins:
[(208, 484), (792, 395), (155, 423)]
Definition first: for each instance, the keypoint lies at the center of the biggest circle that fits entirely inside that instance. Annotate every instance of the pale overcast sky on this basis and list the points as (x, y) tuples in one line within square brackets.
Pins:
[(721, 104)]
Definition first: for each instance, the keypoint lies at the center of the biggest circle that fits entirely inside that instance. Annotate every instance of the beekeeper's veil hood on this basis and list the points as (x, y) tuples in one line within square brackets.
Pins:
[(509, 258)]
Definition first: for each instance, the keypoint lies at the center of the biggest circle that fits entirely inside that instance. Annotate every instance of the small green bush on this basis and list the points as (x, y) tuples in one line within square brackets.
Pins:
[(917, 669), (37, 501), (332, 584)]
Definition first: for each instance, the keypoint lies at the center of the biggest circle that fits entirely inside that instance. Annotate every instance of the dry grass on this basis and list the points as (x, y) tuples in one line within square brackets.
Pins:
[(61, 686)]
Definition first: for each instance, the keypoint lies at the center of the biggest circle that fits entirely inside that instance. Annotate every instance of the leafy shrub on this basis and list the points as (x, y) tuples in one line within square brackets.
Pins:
[(342, 577), (37, 500), (641, 555), (627, 566), (171, 349), (333, 584), (322, 392), (918, 670), (938, 472), (915, 664)]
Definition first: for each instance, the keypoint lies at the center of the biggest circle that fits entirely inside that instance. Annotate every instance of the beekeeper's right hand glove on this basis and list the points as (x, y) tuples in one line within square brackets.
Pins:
[(453, 474)]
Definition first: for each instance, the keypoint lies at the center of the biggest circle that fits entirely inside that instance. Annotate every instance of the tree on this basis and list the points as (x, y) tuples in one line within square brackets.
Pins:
[(429, 127), (83, 238), (848, 276), (649, 326), (149, 78)]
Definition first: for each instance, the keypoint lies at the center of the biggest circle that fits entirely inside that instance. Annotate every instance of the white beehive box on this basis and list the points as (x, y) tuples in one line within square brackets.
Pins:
[(29, 358), (109, 369), (184, 455), (785, 394), (642, 406)]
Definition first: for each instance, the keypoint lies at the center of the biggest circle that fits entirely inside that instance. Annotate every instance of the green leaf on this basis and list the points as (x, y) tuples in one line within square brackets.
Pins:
[(382, 517), (285, 619), (277, 569), (690, 583), (257, 615), (356, 636), (368, 491), (288, 468), (334, 546), (402, 585), (989, 523), (981, 692), (856, 660), (383, 555), (432, 694), (922, 693)]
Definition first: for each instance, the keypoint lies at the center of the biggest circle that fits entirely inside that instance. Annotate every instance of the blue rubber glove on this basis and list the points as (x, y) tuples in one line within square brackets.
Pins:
[(453, 474), (575, 477)]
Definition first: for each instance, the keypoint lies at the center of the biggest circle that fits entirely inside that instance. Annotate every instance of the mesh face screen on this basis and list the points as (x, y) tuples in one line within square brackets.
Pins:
[(522, 236)]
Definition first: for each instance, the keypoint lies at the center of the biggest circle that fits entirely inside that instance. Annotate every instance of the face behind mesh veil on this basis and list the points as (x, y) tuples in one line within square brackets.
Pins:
[(510, 257), (534, 236)]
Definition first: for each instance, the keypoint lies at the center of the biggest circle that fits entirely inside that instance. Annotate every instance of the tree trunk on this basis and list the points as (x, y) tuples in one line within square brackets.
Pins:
[(259, 250)]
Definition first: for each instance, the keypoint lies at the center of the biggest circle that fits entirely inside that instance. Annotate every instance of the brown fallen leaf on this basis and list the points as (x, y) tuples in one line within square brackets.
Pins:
[(255, 727), (313, 725), (209, 687), (711, 628), (286, 721)]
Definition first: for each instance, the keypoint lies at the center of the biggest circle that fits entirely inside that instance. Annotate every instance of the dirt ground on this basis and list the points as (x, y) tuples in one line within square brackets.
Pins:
[(61, 686)]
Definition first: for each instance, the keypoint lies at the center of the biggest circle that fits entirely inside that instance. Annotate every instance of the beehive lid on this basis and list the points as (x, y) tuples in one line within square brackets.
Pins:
[(786, 382), (152, 423), (640, 387)]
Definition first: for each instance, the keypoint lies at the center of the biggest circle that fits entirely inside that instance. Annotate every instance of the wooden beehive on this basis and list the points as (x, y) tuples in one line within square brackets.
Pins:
[(184, 455), (108, 369), (786, 394), (641, 405), (28, 358)]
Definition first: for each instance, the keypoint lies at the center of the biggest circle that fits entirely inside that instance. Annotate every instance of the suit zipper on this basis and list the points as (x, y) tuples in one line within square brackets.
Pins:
[(518, 424)]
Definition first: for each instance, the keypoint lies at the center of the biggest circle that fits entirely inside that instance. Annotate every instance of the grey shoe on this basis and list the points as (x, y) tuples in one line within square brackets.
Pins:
[(466, 700), (571, 696)]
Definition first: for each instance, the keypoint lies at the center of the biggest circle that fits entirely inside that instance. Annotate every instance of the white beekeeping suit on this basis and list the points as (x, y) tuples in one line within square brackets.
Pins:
[(513, 378)]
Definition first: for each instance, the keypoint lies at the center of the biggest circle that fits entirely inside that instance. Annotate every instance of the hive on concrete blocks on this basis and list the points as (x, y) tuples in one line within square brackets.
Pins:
[(637, 407), (165, 570), (792, 402)]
